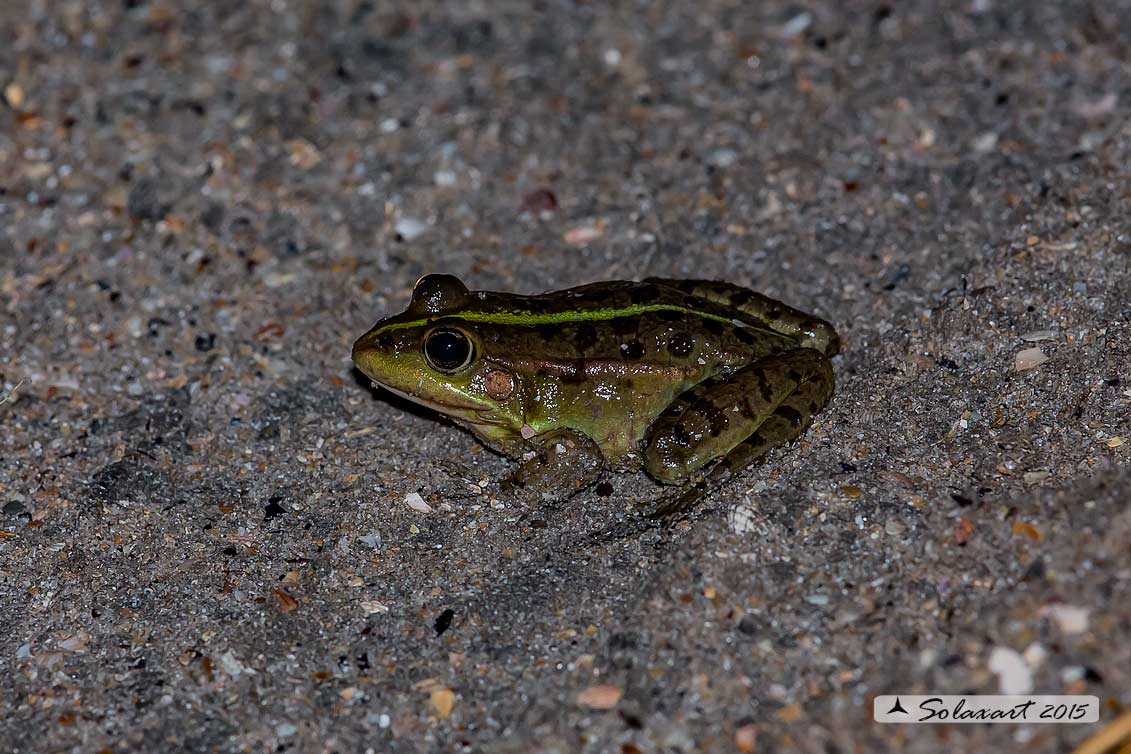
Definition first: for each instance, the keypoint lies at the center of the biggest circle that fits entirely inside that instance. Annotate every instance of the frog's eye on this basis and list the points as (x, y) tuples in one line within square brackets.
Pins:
[(448, 351)]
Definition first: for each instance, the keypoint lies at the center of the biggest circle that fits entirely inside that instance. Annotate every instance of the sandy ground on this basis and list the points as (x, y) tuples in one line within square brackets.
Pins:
[(206, 541)]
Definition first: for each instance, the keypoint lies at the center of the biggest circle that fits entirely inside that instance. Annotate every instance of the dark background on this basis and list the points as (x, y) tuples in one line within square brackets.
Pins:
[(205, 539)]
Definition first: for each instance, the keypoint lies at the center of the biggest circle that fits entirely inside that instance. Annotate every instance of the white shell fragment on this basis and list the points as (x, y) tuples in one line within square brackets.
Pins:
[(373, 607), (1070, 618), (1013, 674), (416, 502), (742, 519), (1030, 358)]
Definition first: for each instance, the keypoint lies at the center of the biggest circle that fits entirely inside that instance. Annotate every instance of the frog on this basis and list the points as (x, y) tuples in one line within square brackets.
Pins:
[(690, 381)]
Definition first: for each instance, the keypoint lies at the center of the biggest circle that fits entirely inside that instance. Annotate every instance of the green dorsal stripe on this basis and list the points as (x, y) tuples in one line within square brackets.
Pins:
[(531, 319)]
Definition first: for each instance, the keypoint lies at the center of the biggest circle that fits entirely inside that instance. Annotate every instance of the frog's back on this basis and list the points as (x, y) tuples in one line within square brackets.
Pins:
[(640, 325)]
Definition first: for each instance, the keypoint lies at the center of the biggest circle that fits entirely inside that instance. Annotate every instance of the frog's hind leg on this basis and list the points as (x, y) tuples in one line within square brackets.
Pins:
[(810, 331), (737, 420)]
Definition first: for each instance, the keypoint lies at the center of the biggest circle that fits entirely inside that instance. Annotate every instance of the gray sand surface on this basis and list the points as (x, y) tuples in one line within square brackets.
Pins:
[(206, 537)]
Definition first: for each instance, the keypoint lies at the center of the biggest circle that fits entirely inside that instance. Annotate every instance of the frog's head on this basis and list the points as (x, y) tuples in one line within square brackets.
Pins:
[(432, 355)]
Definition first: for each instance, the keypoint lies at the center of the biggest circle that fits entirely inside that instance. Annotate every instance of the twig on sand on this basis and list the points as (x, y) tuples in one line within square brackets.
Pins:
[(11, 393)]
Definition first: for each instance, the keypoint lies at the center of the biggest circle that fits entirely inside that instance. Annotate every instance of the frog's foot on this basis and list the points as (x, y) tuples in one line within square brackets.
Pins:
[(672, 508), (736, 420), (561, 465)]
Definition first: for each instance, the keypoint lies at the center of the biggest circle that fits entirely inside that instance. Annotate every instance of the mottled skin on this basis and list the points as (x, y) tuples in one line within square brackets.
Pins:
[(667, 375)]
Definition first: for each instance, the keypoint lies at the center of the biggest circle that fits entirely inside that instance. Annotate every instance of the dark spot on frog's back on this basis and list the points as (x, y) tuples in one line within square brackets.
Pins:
[(719, 422), (764, 387), (644, 294), (741, 297), (573, 373), (535, 304), (744, 335), (754, 441), (624, 326), (586, 337), (548, 330), (790, 414), (713, 326), (632, 350), (681, 345), (670, 315)]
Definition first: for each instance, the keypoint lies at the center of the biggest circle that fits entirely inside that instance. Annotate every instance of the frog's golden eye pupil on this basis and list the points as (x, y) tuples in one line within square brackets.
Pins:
[(447, 350)]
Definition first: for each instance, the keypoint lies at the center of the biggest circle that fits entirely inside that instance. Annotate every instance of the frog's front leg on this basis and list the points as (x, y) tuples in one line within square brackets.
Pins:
[(735, 420), (560, 463)]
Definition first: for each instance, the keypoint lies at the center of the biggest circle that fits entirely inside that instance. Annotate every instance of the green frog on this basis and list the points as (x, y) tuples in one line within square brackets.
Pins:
[(690, 380)]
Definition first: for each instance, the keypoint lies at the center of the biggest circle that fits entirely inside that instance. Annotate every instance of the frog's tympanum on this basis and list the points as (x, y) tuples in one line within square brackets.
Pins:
[(690, 380)]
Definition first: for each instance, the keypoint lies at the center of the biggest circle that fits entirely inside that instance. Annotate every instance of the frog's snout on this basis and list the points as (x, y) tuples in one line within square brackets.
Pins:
[(367, 354), (361, 345)]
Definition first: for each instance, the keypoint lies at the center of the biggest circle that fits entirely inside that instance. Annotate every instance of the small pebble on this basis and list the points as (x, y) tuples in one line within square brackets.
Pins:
[(14, 508), (745, 738), (583, 234), (797, 25), (789, 713), (232, 666), (1071, 619), (985, 142), (14, 95), (285, 730), (540, 200), (600, 697), (442, 701), (409, 228), (1097, 108), (1035, 655), (143, 202), (722, 158)]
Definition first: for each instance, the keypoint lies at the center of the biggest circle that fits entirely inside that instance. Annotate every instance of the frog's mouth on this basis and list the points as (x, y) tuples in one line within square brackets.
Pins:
[(471, 412)]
